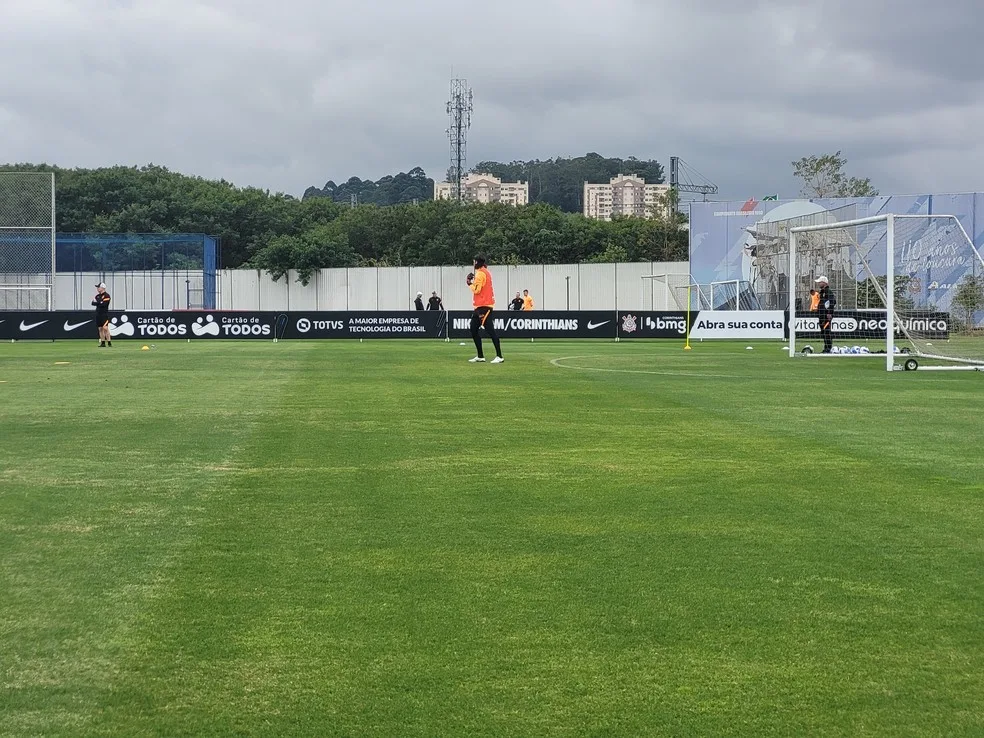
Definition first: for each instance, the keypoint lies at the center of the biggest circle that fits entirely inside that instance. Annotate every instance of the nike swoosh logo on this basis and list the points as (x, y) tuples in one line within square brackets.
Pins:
[(592, 326), (32, 325), (72, 327)]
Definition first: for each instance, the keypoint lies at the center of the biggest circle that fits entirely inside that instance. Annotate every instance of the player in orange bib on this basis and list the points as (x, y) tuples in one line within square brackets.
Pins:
[(483, 300)]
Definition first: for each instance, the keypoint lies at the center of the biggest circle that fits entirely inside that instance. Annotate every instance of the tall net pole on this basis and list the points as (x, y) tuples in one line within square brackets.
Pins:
[(27, 240)]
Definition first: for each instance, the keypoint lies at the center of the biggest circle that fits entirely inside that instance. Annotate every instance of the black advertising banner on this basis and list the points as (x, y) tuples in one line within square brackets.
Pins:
[(151, 325), (605, 324), (412, 324), (858, 325), (540, 324), (648, 324)]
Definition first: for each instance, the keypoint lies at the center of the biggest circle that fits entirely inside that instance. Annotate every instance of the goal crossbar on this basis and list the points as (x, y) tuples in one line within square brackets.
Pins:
[(888, 293)]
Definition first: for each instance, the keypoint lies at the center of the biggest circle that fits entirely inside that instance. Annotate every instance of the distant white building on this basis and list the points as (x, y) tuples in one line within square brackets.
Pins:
[(486, 188), (623, 195)]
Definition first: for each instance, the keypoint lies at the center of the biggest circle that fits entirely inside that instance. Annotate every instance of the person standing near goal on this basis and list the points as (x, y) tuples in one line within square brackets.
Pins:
[(483, 300), (101, 301), (825, 312)]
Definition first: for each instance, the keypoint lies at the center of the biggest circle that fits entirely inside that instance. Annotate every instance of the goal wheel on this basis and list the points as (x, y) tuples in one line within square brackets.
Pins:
[(807, 350), (910, 365)]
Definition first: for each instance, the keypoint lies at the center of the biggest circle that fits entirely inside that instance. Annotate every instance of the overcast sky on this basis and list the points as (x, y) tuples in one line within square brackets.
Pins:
[(283, 95)]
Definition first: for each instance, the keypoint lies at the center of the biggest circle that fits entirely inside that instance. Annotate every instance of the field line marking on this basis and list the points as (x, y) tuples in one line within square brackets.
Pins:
[(556, 363)]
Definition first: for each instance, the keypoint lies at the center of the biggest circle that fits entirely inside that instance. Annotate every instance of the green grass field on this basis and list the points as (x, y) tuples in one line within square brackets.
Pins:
[(380, 539)]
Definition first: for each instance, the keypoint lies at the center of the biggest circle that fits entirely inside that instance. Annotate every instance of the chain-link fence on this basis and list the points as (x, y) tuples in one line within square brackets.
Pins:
[(160, 271), (27, 240)]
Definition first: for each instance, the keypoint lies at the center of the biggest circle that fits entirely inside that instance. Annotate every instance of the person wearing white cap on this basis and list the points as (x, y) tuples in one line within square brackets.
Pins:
[(101, 301), (419, 302), (825, 312)]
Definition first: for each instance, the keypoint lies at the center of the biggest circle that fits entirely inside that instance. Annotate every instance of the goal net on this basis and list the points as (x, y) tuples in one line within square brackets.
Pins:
[(27, 240), (664, 291), (908, 288)]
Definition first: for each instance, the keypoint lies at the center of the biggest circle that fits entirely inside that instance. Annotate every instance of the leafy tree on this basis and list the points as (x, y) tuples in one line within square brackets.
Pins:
[(277, 232), (823, 176), (405, 187), (969, 297), (560, 182), (870, 293)]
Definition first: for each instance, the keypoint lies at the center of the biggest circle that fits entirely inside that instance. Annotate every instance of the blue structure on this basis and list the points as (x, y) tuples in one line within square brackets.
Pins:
[(142, 252)]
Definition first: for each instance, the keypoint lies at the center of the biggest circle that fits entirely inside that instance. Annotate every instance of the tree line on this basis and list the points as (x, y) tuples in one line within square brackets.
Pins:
[(558, 182), (277, 232)]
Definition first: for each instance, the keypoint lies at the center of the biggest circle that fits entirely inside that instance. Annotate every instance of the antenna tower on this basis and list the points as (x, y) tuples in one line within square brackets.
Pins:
[(459, 117)]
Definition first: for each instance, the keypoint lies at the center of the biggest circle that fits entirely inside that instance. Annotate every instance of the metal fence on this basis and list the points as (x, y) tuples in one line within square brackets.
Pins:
[(27, 240), (142, 271)]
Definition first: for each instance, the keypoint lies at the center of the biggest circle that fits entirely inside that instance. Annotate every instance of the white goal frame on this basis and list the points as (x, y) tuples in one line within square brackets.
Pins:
[(889, 296), (45, 288), (668, 294)]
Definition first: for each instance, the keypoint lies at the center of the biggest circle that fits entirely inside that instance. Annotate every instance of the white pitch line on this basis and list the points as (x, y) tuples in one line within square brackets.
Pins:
[(556, 363)]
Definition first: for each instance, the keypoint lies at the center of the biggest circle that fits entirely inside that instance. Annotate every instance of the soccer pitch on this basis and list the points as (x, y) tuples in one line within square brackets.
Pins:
[(342, 538)]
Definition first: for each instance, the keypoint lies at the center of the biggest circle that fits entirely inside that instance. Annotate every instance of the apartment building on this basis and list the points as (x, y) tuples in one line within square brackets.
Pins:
[(623, 195), (486, 188)]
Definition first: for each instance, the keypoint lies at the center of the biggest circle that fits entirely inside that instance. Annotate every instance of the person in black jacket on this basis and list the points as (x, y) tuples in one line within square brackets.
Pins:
[(419, 302), (101, 302), (517, 302), (434, 302), (825, 312)]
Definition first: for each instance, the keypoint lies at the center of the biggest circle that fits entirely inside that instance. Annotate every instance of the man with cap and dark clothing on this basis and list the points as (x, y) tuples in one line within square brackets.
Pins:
[(101, 302), (825, 312), (434, 302)]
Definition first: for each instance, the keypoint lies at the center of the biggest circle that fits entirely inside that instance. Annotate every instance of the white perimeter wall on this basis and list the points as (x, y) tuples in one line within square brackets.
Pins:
[(554, 287)]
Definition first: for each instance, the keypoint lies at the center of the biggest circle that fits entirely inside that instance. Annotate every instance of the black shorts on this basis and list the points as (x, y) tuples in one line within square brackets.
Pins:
[(101, 320), (481, 315)]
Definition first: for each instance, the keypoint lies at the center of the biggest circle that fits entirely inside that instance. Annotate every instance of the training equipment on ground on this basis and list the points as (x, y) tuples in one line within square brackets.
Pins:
[(904, 284)]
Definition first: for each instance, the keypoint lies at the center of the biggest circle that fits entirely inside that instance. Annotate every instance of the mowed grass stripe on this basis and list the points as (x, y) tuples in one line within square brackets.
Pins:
[(107, 467), (602, 554), (588, 578)]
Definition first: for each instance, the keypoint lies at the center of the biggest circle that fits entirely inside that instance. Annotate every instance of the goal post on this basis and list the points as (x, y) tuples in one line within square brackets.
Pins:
[(908, 288), (665, 291), (27, 240)]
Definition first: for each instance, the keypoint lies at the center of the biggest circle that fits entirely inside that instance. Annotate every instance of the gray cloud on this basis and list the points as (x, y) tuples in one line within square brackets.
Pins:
[(285, 95)]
